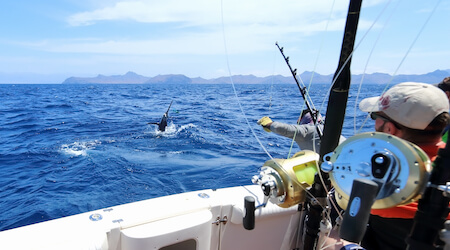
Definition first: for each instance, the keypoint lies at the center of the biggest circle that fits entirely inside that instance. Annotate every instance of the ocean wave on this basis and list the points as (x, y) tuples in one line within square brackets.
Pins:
[(58, 106)]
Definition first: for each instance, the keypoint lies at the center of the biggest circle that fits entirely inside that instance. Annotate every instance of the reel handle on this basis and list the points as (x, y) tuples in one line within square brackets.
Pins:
[(357, 213), (249, 217)]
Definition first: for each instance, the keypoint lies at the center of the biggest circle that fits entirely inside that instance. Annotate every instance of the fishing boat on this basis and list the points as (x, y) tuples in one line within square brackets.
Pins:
[(267, 215)]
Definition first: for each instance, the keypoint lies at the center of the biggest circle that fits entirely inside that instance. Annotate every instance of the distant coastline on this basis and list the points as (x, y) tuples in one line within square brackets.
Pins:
[(133, 78)]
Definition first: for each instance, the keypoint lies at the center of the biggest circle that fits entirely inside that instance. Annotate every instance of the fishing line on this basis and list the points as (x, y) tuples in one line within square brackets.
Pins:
[(306, 97), (273, 79), (321, 44), (347, 60), (334, 80), (367, 63), (232, 83), (415, 39), (243, 112), (311, 79), (404, 57)]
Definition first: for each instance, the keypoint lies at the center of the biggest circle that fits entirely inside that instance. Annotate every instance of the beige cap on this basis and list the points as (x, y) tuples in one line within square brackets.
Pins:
[(411, 104)]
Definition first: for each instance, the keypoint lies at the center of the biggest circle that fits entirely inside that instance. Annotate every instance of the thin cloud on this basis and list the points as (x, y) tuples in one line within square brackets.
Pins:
[(248, 25), (156, 12), (207, 12)]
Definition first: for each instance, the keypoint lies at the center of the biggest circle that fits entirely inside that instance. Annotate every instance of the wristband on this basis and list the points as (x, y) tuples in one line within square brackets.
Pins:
[(352, 247)]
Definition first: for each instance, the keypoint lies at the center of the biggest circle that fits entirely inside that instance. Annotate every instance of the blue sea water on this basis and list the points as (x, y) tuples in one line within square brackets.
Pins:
[(68, 149)]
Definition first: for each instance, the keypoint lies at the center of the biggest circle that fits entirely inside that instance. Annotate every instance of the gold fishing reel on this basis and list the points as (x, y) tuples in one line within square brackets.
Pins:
[(399, 167), (284, 181)]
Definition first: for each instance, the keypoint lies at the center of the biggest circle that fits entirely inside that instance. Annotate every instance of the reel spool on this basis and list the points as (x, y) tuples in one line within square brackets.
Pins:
[(284, 181), (400, 168)]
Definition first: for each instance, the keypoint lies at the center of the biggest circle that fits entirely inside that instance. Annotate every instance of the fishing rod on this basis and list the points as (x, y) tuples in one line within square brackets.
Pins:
[(314, 113), (337, 103), (432, 209)]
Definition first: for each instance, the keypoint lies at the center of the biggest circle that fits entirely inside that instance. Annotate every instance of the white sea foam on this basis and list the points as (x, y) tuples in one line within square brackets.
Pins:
[(185, 127), (171, 130), (79, 148)]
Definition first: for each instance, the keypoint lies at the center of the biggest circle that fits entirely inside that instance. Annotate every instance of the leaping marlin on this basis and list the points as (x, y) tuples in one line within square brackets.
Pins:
[(163, 123)]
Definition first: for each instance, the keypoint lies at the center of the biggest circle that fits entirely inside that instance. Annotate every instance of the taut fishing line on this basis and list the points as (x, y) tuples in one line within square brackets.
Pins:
[(311, 79), (367, 63), (415, 40), (404, 57), (240, 105), (273, 79), (242, 110), (232, 83), (321, 44), (345, 63)]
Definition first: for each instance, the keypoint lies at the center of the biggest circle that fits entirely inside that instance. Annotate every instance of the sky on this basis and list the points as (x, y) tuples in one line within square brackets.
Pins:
[(48, 41)]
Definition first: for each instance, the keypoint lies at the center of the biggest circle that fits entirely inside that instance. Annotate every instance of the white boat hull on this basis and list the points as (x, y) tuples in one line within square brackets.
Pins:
[(205, 219)]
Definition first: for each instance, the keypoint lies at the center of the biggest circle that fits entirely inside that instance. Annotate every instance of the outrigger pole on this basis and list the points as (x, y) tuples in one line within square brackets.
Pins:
[(337, 103), (314, 113)]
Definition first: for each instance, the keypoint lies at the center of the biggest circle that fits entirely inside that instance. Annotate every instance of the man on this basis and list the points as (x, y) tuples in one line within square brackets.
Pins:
[(304, 133), (416, 112), (445, 86)]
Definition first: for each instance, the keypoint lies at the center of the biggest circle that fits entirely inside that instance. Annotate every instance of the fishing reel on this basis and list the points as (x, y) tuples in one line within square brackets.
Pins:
[(399, 168), (284, 181), (374, 171)]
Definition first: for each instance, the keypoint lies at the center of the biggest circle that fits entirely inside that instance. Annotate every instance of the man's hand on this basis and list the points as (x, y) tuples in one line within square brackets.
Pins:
[(265, 122)]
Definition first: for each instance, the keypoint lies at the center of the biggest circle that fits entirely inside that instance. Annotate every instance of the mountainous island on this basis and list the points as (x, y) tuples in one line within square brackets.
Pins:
[(374, 78)]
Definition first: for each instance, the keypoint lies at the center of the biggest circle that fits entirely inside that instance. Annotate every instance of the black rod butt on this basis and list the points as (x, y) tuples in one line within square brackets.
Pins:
[(249, 216), (357, 213)]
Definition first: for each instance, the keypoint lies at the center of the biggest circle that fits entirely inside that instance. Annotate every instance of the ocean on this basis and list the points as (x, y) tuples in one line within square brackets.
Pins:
[(68, 149)]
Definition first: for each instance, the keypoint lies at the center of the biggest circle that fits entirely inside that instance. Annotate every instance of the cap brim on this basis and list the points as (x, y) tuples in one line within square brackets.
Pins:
[(370, 104)]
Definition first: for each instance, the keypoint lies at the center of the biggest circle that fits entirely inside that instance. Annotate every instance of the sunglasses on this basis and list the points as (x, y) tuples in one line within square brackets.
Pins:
[(375, 116)]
